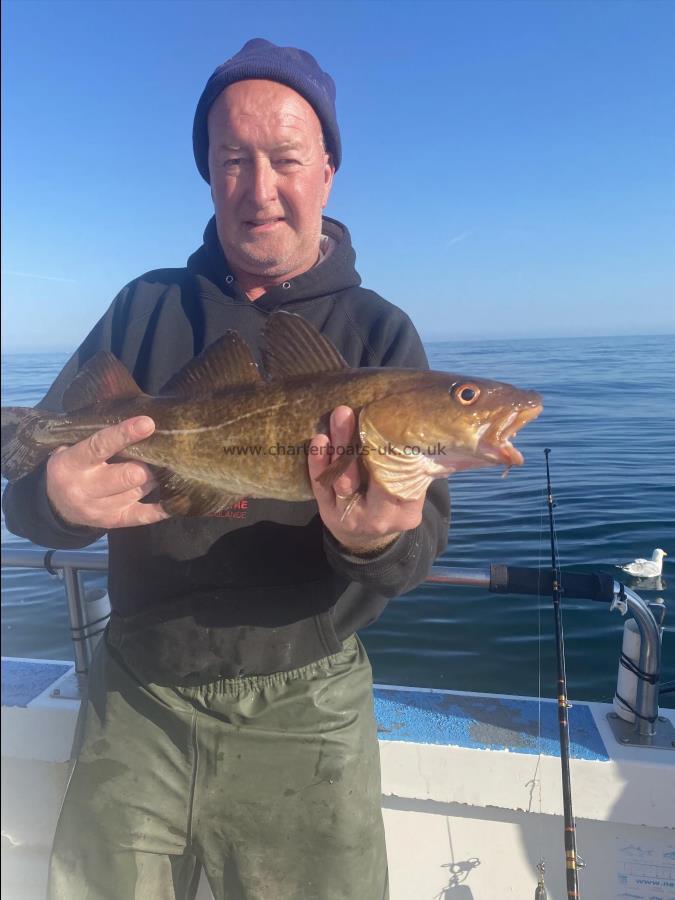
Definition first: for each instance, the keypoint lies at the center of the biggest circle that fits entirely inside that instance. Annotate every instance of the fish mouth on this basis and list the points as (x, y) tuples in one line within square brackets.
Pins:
[(495, 443)]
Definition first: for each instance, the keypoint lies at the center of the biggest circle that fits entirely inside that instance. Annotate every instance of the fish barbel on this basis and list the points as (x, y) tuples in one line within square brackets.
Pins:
[(224, 431)]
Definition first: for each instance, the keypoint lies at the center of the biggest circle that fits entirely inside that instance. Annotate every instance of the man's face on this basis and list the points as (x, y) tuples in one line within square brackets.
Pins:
[(270, 178)]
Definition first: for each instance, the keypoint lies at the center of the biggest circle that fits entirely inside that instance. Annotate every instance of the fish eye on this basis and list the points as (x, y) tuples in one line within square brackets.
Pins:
[(467, 393)]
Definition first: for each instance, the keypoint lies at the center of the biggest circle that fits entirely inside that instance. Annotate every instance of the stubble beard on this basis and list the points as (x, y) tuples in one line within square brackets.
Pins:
[(290, 256)]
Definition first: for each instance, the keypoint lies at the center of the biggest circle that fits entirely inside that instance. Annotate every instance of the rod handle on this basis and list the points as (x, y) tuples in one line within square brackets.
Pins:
[(579, 585)]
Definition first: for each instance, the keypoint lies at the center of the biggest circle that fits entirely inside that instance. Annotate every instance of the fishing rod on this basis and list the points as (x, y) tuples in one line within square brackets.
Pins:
[(572, 861)]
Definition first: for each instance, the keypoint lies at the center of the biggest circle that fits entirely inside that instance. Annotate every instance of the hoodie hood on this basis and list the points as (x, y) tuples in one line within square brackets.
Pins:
[(335, 272)]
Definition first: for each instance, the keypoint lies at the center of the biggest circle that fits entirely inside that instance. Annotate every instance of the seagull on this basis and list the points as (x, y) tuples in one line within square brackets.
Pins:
[(646, 568)]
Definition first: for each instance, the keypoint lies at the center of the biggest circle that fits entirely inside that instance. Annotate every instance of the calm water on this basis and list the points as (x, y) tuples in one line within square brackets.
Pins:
[(609, 420)]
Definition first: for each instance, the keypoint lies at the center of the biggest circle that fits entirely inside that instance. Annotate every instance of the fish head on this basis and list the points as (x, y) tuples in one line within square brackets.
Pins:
[(446, 423)]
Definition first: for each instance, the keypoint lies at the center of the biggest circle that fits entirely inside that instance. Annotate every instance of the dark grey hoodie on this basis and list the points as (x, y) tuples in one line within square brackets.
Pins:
[(264, 587)]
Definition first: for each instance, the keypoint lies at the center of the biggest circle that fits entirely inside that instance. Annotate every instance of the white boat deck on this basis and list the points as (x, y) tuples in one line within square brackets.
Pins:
[(460, 783)]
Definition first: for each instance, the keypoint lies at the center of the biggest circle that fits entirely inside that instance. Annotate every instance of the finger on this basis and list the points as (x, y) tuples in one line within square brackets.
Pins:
[(57, 450), (125, 498), (118, 478), (383, 497), (111, 440), (318, 461), (342, 430), (126, 510), (142, 514), (399, 515), (342, 422), (349, 504)]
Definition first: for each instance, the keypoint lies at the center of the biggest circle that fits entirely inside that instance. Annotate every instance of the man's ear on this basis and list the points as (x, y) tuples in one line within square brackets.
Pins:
[(329, 174)]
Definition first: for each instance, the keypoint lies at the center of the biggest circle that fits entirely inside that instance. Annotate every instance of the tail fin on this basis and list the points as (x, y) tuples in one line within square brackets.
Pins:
[(21, 452)]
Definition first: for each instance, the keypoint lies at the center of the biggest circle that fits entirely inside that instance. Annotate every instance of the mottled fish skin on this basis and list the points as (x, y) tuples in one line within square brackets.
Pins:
[(252, 439), (232, 440)]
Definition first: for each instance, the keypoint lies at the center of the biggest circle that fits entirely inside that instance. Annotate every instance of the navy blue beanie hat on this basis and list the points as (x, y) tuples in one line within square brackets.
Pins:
[(259, 58)]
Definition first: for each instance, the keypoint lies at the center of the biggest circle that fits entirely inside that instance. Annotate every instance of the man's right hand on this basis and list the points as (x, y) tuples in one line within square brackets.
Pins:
[(85, 489)]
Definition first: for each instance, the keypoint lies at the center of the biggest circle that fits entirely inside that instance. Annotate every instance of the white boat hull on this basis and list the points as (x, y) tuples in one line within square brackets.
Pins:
[(461, 798)]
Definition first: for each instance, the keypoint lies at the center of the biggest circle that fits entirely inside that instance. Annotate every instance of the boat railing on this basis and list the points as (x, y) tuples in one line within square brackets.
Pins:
[(640, 728)]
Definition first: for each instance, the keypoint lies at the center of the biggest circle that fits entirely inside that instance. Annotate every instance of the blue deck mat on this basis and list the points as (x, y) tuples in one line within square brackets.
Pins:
[(486, 723), (23, 680), (426, 717)]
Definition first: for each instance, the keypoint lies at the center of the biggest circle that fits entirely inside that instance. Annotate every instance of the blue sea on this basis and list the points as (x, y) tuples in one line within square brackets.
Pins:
[(609, 422)]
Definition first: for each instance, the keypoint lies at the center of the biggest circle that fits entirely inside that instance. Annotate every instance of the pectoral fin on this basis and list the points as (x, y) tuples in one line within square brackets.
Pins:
[(182, 496), (332, 472)]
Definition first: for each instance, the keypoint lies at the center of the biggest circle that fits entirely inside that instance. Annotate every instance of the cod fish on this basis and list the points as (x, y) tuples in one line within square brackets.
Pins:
[(225, 431)]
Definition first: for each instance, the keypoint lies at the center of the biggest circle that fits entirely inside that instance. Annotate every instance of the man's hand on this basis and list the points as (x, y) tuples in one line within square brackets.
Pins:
[(377, 518), (85, 489)]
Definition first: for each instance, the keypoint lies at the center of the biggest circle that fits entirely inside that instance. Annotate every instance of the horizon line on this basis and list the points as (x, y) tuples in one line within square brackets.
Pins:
[(24, 349)]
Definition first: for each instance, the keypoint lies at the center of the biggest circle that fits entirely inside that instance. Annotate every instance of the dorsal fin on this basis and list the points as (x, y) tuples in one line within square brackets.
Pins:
[(225, 363), (103, 377), (294, 347)]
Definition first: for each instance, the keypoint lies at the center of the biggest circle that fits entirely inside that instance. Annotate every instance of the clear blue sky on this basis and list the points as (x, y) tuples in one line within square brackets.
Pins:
[(509, 167)]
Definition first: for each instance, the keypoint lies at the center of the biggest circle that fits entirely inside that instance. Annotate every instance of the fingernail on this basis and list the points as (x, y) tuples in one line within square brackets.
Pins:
[(143, 425), (337, 420)]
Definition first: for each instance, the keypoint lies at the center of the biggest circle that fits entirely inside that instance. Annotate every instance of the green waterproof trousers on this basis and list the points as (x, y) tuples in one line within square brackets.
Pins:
[(270, 783)]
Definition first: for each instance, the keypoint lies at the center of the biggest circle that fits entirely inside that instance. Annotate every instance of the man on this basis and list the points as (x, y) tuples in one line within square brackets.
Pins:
[(229, 723)]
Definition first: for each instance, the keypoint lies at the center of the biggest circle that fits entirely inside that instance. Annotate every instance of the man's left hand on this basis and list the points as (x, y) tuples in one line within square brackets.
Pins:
[(376, 518)]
